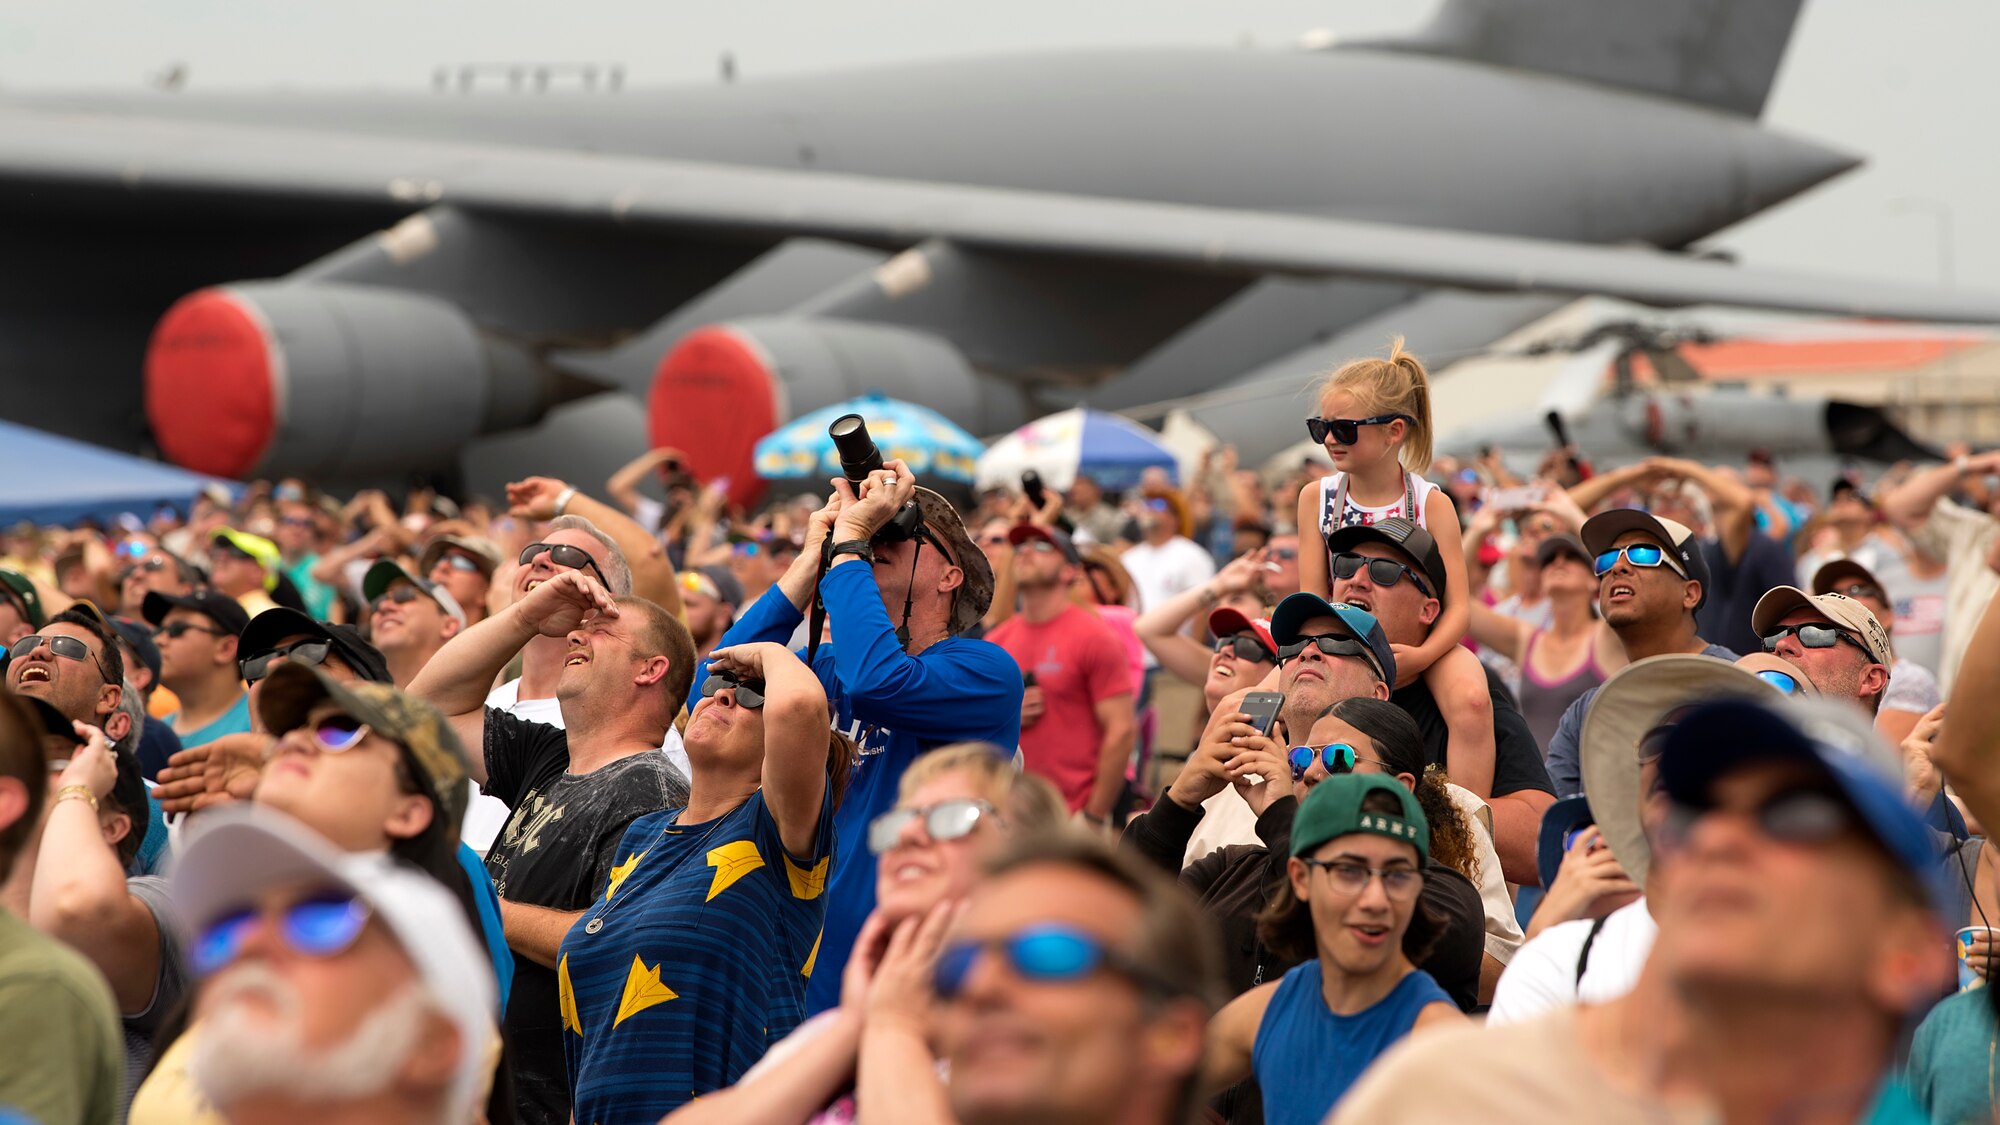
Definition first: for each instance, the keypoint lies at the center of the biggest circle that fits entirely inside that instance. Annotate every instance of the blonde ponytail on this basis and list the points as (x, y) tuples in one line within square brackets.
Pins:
[(1396, 385)]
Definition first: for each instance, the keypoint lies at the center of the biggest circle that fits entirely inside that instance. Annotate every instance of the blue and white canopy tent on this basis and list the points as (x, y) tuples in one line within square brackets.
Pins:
[(48, 480)]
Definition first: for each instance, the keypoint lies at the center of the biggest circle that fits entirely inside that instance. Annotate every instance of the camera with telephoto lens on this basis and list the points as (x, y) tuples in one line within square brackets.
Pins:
[(859, 456)]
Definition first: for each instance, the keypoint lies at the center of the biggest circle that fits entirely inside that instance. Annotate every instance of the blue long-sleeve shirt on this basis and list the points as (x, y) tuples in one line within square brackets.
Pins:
[(896, 707)]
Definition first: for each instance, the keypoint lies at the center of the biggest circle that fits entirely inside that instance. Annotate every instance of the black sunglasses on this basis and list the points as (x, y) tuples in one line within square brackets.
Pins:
[(565, 556), (401, 595), (1347, 431), (1793, 816), (1332, 646), (1245, 646), (69, 648), (150, 566), (749, 693), (255, 668), (175, 630), (1382, 572), (1814, 636)]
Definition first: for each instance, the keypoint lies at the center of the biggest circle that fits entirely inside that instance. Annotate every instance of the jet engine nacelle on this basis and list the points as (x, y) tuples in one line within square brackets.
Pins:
[(724, 386), (327, 381)]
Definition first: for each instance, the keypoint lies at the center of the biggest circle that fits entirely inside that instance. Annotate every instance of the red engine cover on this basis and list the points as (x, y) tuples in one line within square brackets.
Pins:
[(714, 395)]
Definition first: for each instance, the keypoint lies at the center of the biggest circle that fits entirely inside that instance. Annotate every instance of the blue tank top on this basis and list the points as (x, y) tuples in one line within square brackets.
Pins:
[(1306, 1057)]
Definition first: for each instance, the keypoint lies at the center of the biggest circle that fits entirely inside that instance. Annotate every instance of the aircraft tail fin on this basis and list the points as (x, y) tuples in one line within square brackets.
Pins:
[(1717, 53)]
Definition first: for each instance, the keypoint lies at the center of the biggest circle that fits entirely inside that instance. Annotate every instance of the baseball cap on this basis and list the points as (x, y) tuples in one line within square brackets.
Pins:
[(1603, 529), (53, 720), (128, 788), (1720, 737), (1022, 532), (272, 626), (1560, 545), (1226, 622), (1632, 704), (976, 594), (437, 759), (20, 588), (1841, 610), (1562, 818), (726, 586), (384, 574), (484, 552), (226, 612), (1403, 535), (235, 854), (140, 640), (1292, 614), (696, 582), (256, 547), (1842, 572), (1333, 809)]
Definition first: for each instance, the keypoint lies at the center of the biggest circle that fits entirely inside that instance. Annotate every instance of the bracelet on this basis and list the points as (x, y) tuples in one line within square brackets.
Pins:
[(80, 792), (563, 498)]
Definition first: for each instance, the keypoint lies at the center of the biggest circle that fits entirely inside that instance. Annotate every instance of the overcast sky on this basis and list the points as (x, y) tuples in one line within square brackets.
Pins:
[(1908, 85)]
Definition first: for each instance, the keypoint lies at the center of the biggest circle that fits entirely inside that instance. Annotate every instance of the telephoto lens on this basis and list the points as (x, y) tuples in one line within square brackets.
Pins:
[(858, 455)]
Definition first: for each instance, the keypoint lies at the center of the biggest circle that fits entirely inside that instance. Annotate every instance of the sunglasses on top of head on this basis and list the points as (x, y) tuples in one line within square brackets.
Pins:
[(1813, 636), (254, 668), (1382, 572), (1346, 431), (320, 926), (1638, 554), (1246, 646), (1050, 953), (749, 693), (565, 556), (69, 648)]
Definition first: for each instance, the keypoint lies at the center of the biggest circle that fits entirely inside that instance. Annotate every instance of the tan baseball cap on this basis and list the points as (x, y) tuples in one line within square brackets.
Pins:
[(1838, 609)]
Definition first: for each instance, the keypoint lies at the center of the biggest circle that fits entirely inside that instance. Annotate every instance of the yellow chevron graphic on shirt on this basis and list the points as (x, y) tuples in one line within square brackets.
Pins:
[(732, 861), (813, 957), (619, 872), (807, 885), (566, 997), (642, 990)]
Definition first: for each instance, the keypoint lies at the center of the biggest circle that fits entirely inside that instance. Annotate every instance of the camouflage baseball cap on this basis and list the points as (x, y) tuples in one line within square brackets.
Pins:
[(430, 746)]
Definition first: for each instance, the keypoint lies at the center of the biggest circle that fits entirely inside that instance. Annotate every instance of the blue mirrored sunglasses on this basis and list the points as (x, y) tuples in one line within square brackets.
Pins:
[(1048, 953), (1780, 680), (1638, 554), (1337, 757), (319, 926)]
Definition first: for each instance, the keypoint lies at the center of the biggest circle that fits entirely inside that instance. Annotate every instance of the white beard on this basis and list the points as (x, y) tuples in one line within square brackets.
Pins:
[(238, 1055)]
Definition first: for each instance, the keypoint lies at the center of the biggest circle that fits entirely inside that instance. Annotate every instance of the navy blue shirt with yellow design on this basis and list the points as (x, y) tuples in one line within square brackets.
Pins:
[(705, 938)]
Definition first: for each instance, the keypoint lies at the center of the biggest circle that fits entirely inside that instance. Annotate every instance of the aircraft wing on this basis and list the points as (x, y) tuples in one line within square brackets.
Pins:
[(53, 151)]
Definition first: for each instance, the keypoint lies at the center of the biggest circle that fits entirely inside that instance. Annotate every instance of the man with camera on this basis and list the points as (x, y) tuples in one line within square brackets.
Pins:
[(901, 584)]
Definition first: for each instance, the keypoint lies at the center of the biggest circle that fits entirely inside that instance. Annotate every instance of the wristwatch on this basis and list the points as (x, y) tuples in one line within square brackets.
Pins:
[(859, 548)]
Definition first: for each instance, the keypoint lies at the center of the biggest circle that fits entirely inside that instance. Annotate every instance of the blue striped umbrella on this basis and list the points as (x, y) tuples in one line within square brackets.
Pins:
[(933, 447)]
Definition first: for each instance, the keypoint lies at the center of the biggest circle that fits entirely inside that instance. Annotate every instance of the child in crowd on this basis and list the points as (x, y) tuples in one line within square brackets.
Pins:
[(1375, 421)]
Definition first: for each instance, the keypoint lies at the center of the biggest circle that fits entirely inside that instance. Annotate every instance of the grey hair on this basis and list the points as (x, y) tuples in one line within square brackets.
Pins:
[(617, 571), (134, 706)]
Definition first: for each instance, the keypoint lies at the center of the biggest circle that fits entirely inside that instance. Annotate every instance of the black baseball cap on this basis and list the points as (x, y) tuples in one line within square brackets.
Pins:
[(128, 790), (1603, 529), (140, 640), (1560, 545), (262, 635), (1413, 541), (227, 613)]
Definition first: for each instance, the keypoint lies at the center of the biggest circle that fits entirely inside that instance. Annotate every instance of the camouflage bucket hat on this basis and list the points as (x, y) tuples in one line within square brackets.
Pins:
[(976, 595), (430, 746)]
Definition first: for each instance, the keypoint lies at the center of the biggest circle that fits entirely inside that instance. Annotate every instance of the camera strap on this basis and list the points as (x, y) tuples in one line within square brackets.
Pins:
[(816, 613)]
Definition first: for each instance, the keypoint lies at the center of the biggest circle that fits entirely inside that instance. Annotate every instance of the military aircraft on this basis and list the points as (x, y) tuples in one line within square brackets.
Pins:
[(356, 286)]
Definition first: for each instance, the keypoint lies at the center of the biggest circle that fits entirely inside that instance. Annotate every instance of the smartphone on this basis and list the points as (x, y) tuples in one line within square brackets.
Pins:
[(1263, 708), (1031, 484), (1027, 679)]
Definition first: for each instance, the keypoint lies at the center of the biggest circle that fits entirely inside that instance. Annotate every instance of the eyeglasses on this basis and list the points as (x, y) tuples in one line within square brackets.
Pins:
[(1246, 646), (1337, 757), (1346, 431), (254, 668), (1155, 504), (151, 566), (1049, 953), (337, 734), (565, 556), (320, 926), (1793, 816), (1332, 646), (1862, 590), (946, 820), (401, 595), (1349, 878), (1638, 554), (1781, 680), (1813, 636), (132, 549), (69, 648), (1382, 572), (461, 563), (749, 693)]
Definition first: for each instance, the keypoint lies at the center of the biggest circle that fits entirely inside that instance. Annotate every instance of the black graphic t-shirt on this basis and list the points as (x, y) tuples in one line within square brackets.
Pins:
[(557, 852)]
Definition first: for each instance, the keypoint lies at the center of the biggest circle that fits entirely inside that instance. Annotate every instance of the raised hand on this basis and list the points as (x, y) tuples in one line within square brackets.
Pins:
[(557, 607), (534, 498), (880, 497)]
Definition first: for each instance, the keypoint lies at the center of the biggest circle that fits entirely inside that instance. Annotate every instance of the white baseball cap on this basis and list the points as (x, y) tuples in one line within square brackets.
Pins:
[(234, 854)]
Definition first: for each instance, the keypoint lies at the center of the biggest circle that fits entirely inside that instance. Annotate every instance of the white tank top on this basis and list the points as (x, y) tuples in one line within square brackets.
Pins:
[(1337, 509)]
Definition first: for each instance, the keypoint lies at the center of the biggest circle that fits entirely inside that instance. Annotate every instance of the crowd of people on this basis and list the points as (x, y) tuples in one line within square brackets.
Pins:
[(1402, 789)]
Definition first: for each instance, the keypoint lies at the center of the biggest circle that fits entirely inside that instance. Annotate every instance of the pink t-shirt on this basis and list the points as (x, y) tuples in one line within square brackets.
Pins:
[(1078, 662), (1122, 619)]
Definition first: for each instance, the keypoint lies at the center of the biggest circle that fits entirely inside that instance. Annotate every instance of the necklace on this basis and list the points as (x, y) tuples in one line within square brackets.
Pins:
[(602, 910)]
